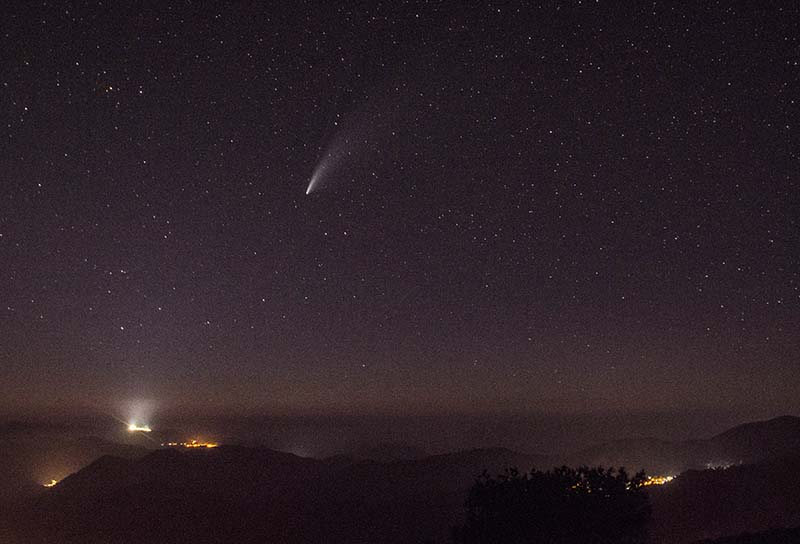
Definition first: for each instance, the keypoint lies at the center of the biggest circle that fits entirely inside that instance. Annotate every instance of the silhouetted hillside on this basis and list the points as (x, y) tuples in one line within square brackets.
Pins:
[(254, 495), (716, 503), (653, 455), (258, 495), (386, 453), (753, 442), (748, 443), (29, 459)]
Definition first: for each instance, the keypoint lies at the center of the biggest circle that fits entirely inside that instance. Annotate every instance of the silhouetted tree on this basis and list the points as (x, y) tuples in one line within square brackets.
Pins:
[(560, 506)]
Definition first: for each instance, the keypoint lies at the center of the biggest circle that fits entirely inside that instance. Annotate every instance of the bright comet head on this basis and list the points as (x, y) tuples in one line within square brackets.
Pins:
[(312, 182)]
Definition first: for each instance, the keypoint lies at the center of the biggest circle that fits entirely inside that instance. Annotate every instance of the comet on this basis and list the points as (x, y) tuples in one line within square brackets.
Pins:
[(355, 140), (331, 158), (313, 182)]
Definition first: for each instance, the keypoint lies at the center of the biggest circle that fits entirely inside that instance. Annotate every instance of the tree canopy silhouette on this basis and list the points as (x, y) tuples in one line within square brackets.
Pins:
[(559, 506)]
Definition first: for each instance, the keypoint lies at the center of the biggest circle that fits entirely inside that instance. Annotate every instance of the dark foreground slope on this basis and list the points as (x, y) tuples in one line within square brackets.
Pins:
[(773, 536), (716, 503), (255, 495), (236, 494)]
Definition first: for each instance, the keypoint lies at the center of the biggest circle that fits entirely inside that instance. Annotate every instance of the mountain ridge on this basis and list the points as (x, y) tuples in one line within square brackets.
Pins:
[(746, 443)]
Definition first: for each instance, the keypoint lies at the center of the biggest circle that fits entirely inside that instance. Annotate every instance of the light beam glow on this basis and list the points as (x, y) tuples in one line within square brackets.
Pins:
[(134, 428)]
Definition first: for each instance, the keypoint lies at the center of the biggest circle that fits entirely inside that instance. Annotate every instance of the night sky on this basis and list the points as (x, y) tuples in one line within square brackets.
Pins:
[(572, 206)]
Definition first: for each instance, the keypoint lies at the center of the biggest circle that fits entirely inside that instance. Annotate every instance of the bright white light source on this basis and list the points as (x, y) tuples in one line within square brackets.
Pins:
[(134, 428)]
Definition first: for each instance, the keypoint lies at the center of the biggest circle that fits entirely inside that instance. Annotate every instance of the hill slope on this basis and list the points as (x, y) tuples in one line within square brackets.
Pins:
[(748, 443), (259, 495), (716, 503)]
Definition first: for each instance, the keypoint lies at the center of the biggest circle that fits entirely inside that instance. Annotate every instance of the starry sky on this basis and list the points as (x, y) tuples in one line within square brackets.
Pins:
[(522, 208)]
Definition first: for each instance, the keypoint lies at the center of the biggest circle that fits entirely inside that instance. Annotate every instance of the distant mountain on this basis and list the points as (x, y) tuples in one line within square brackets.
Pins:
[(387, 453), (655, 456), (254, 495), (29, 459), (759, 440), (748, 443)]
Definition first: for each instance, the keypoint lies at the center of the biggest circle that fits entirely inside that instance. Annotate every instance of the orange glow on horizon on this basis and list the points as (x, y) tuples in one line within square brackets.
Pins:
[(192, 444), (658, 480)]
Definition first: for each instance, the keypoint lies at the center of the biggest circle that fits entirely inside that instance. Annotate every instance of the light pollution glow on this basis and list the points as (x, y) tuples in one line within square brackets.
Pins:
[(133, 428), (192, 444)]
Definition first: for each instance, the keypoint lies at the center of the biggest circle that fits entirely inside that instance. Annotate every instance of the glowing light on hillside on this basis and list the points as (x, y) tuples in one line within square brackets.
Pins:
[(51, 483), (196, 444), (136, 414), (658, 480), (719, 465), (134, 428), (192, 444)]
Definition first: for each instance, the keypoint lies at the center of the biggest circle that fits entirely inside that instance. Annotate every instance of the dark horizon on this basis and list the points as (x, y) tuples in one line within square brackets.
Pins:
[(139, 492), (323, 435)]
